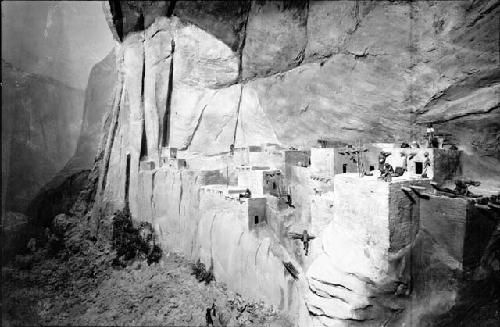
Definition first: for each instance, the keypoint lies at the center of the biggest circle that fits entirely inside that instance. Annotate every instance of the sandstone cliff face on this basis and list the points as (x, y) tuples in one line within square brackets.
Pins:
[(288, 73), (341, 70), (40, 127), (98, 100)]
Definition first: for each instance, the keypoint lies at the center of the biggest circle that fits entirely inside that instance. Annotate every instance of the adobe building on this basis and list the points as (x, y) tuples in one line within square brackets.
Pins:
[(255, 155), (332, 161), (443, 164), (296, 158), (254, 178), (253, 209), (274, 183)]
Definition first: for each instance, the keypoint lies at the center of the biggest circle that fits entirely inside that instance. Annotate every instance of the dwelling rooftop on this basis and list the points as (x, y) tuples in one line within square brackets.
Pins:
[(376, 174), (228, 191)]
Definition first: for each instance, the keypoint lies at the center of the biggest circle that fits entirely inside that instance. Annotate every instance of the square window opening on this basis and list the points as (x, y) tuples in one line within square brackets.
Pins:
[(419, 167)]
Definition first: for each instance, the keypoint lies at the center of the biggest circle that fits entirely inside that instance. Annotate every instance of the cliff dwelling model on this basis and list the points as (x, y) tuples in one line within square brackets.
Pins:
[(334, 161)]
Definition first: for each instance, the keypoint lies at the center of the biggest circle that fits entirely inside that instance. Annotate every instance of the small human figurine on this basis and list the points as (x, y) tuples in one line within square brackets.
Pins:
[(386, 172), (462, 186), (305, 240), (381, 159), (304, 237), (430, 135), (231, 150), (247, 194), (214, 310), (289, 201), (426, 164), (208, 317)]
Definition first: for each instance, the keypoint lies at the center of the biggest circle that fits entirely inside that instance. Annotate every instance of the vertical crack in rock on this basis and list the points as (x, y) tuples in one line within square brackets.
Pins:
[(242, 46), (166, 115), (211, 242), (143, 76), (153, 206), (188, 144), (111, 136), (144, 141), (302, 54), (237, 115), (116, 12), (171, 7), (127, 181), (355, 14), (198, 123), (180, 194)]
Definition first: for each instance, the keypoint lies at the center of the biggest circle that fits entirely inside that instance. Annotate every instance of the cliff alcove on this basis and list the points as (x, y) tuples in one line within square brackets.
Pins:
[(249, 135)]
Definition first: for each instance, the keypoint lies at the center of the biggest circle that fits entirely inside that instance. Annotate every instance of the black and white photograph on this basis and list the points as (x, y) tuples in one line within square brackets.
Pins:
[(279, 163)]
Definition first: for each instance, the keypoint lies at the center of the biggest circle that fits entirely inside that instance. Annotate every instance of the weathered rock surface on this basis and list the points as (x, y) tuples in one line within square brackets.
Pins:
[(184, 84), (98, 95), (362, 271), (275, 37), (56, 197), (225, 20), (333, 76), (200, 76)]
